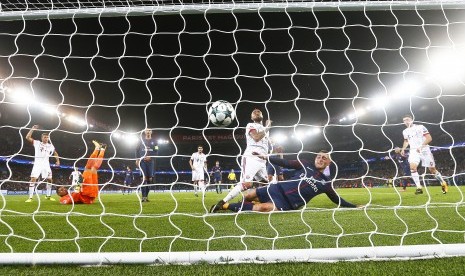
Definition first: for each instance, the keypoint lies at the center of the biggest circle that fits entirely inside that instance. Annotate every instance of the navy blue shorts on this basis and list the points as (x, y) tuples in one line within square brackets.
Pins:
[(272, 193), (271, 170), (148, 168), (216, 179)]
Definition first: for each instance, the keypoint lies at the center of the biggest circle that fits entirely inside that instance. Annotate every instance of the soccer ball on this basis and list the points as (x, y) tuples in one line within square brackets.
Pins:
[(221, 113)]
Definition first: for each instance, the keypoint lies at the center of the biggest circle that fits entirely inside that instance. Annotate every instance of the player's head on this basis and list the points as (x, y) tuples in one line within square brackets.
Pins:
[(322, 160), (408, 120), (256, 115), (128, 168), (75, 168), (45, 137), (62, 191), (199, 148), (148, 132), (232, 170), (217, 163), (397, 150)]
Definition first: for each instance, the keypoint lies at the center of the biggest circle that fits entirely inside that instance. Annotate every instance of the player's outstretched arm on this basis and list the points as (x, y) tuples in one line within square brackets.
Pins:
[(29, 134), (404, 146), (335, 198), (57, 158), (289, 164)]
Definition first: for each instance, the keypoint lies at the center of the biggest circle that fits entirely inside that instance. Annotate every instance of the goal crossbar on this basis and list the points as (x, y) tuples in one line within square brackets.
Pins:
[(52, 13)]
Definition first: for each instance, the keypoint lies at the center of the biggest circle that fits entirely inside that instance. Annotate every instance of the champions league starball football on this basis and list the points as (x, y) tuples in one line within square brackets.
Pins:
[(221, 113)]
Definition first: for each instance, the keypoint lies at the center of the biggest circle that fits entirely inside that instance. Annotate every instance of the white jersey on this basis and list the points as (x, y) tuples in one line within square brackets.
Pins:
[(42, 153), (415, 135), (75, 176), (261, 147), (198, 160)]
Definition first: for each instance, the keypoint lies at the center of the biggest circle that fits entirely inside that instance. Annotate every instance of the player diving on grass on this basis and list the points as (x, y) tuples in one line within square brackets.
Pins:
[(253, 163), (43, 150), (418, 137), (89, 189), (307, 182)]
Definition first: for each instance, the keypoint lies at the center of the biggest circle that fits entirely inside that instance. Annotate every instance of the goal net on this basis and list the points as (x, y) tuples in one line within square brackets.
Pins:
[(332, 75)]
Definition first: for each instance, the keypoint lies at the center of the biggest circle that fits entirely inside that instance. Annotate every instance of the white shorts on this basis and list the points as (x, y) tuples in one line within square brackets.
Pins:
[(41, 170), (253, 168), (425, 157), (198, 174)]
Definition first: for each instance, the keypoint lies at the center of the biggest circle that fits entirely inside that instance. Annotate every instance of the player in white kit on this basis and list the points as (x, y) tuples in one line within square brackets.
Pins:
[(253, 164), (43, 151), (75, 177), (418, 137), (198, 163)]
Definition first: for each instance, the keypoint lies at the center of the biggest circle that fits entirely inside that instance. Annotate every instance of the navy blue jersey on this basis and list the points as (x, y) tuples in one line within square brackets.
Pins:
[(306, 183), (148, 148), (216, 171), (129, 177), (403, 162)]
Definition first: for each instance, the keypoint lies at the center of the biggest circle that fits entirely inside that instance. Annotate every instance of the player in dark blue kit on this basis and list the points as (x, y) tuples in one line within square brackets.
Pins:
[(216, 175), (404, 166), (307, 182), (145, 154), (128, 179)]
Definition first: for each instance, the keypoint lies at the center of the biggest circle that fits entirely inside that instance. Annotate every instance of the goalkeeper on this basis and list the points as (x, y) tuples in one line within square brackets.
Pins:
[(307, 182), (89, 190)]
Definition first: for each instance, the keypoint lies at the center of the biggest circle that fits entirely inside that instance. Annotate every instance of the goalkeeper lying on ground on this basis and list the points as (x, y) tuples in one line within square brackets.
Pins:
[(89, 189), (307, 182)]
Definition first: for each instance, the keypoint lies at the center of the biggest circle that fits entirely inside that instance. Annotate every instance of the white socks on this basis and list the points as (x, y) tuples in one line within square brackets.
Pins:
[(416, 179), (49, 189), (31, 189), (234, 192), (438, 176)]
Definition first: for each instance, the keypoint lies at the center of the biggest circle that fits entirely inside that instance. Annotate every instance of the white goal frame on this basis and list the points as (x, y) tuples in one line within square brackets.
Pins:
[(239, 256)]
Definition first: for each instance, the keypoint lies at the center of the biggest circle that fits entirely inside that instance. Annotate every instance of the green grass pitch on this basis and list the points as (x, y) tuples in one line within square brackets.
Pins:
[(179, 221)]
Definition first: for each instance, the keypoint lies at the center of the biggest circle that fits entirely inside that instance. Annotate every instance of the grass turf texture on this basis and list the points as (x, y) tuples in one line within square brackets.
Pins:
[(180, 222)]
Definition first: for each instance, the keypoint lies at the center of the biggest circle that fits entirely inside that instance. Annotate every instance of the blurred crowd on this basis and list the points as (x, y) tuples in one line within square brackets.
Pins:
[(376, 173)]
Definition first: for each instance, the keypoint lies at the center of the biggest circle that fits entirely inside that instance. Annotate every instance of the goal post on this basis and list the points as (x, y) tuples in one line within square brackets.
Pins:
[(377, 253), (384, 229)]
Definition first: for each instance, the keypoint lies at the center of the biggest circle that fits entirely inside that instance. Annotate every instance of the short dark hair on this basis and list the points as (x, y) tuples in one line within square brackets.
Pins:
[(324, 151), (407, 116), (199, 146), (45, 133)]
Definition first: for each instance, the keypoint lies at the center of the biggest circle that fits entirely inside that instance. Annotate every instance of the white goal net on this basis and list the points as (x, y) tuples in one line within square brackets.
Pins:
[(339, 76)]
